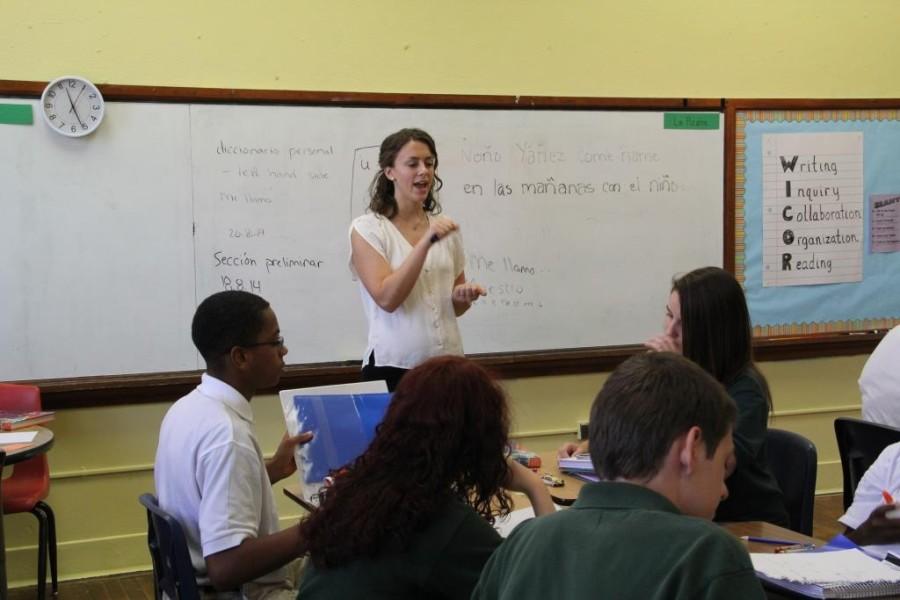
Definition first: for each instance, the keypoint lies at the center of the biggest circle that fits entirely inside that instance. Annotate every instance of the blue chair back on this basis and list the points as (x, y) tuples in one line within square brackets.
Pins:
[(793, 461), (173, 572), (859, 444)]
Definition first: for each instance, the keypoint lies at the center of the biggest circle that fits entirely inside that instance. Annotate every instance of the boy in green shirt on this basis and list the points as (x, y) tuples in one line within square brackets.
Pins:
[(660, 439)]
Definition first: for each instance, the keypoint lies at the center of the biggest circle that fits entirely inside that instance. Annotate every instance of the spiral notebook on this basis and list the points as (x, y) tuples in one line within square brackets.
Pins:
[(837, 574)]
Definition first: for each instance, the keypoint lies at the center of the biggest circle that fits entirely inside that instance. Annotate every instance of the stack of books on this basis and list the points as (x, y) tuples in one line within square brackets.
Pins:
[(11, 420), (579, 466), (577, 463)]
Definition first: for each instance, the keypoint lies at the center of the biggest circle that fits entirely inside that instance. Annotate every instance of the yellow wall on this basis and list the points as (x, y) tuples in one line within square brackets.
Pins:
[(700, 48)]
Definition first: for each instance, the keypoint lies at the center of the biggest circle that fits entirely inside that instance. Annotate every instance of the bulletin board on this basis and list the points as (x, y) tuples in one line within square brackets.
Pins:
[(816, 222)]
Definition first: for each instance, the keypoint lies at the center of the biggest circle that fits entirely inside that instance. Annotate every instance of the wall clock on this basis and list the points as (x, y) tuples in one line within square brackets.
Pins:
[(72, 106)]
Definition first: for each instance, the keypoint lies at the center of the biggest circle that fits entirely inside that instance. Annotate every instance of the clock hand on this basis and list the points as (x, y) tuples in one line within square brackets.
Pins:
[(76, 98), (72, 104)]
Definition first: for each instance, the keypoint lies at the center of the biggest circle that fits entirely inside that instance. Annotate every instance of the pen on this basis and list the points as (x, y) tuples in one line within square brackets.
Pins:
[(794, 548), (888, 499), (765, 540)]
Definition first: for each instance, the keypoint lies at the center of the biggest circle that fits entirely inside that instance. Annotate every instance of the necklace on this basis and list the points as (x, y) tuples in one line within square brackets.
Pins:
[(418, 224)]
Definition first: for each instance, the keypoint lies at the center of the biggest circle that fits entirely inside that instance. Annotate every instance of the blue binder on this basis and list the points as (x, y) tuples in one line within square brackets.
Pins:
[(343, 426)]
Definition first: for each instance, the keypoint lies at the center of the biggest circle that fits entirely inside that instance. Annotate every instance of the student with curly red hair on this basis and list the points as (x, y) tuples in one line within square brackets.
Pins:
[(411, 517)]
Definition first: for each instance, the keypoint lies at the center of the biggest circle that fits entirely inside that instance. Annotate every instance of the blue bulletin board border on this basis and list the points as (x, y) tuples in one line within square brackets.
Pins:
[(873, 303)]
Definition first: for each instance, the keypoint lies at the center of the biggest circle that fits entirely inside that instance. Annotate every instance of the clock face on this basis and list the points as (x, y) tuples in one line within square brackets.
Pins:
[(72, 106)]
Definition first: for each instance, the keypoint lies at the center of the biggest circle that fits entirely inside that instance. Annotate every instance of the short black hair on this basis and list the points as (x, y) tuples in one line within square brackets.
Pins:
[(225, 320), (647, 402)]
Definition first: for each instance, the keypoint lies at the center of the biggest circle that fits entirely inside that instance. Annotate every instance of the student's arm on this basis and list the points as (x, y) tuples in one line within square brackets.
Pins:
[(571, 448), (464, 294), (282, 464), (867, 517), (878, 528), (254, 557), (389, 288), (522, 479), (231, 500), (751, 423)]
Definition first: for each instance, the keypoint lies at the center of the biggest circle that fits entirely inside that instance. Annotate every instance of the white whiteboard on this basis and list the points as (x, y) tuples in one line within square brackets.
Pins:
[(575, 221)]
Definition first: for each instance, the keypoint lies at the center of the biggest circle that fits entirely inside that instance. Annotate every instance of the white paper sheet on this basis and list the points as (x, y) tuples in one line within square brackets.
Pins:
[(17, 437)]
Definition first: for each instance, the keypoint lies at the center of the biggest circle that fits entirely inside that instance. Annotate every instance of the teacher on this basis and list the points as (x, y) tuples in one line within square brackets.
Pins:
[(409, 262)]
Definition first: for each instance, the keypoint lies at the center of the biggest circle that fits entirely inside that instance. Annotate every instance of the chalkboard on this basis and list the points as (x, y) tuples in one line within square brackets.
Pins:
[(574, 220), (817, 219)]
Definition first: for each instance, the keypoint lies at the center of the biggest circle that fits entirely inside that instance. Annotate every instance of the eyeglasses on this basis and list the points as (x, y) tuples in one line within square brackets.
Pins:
[(277, 343)]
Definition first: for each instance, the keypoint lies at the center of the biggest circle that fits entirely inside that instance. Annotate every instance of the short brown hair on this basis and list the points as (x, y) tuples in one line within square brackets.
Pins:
[(647, 402)]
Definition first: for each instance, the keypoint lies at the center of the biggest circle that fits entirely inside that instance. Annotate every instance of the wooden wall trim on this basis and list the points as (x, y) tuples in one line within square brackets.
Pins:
[(83, 392), (139, 93)]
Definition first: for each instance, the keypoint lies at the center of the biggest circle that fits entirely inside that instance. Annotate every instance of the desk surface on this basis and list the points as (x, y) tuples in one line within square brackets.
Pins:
[(572, 485), (41, 443)]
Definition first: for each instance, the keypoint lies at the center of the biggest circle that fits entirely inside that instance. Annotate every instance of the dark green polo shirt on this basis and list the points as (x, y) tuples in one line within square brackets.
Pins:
[(753, 493), (619, 541), (443, 561)]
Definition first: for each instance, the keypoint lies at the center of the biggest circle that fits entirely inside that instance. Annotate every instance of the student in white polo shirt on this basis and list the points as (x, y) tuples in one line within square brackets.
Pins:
[(210, 473)]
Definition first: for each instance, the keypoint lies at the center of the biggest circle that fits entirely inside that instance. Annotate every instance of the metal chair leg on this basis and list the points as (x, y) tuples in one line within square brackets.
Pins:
[(43, 534), (51, 518)]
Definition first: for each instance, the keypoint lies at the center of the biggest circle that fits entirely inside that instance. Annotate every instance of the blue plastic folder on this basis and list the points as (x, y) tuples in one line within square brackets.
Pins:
[(343, 425)]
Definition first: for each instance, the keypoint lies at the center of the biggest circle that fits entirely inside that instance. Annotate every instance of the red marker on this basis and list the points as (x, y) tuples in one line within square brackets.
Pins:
[(888, 499)]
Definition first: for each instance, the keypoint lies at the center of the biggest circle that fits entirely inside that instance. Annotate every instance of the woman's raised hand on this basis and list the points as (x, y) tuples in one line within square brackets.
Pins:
[(440, 227), (662, 343)]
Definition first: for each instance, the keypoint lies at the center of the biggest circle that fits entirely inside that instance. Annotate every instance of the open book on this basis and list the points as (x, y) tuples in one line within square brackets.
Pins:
[(342, 419), (836, 574)]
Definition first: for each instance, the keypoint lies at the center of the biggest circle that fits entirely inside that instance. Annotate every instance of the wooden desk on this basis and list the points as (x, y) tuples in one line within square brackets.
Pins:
[(564, 495), (16, 453), (767, 530)]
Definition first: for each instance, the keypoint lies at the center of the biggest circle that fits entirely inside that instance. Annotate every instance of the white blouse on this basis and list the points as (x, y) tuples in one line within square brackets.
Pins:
[(425, 324)]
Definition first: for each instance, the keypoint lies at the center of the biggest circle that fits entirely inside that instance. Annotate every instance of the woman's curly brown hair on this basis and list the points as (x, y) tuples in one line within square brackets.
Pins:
[(381, 190)]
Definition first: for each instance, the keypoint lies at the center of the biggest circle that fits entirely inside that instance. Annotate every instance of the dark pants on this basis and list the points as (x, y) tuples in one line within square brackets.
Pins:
[(391, 375)]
